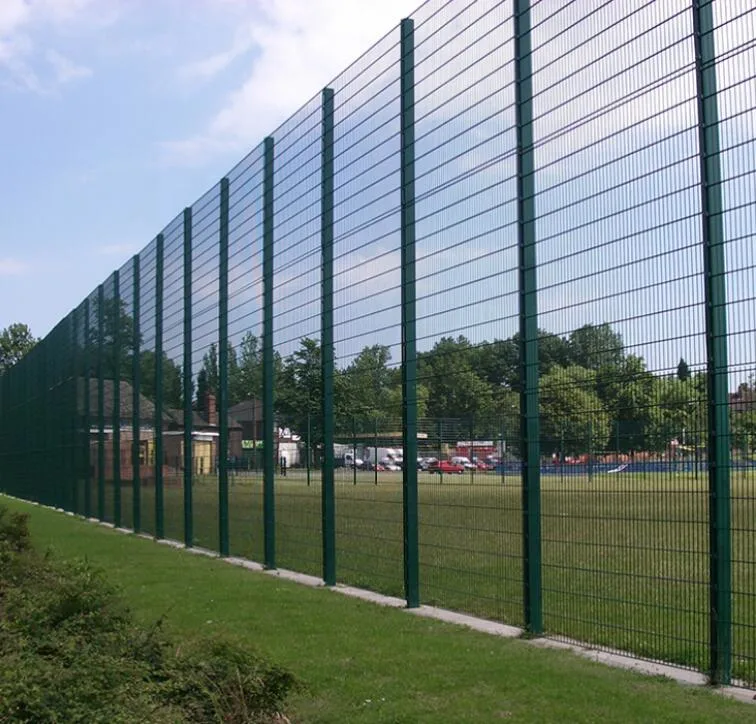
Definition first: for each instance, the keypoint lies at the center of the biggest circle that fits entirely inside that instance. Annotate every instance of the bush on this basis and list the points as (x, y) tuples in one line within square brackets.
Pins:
[(72, 653)]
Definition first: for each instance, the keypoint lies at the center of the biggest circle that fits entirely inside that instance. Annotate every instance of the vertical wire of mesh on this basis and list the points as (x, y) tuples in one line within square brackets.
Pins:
[(470, 515), (367, 320), (172, 388), (205, 299), (621, 295), (735, 28), (245, 301), (296, 338)]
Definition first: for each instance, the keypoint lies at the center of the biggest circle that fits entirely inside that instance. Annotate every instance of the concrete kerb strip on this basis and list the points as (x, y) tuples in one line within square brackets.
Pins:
[(614, 658)]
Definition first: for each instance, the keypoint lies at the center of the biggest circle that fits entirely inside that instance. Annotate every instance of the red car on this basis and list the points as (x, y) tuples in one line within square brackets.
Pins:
[(444, 466)]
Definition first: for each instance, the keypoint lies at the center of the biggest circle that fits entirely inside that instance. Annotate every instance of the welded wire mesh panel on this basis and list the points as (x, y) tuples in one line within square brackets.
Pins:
[(107, 318), (296, 335), (367, 319), (621, 292), (91, 405), (173, 371), (147, 384), (735, 29), (206, 450), (125, 351), (467, 305), (245, 297), (80, 433)]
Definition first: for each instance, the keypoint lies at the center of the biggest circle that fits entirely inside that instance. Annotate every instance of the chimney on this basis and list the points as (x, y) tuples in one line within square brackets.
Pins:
[(211, 409)]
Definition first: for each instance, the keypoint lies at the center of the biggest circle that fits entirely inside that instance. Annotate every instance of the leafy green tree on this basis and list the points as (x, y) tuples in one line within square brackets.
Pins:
[(594, 346), (15, 341), (572, 411), (173, 392), (298, 391), (245, 377)]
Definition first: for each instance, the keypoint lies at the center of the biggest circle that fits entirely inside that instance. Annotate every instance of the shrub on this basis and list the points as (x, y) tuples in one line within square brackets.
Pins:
[(71, 652)]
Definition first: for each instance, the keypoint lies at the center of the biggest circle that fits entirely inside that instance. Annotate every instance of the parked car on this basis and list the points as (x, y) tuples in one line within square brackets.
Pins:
[(446, 466), (464, 462)]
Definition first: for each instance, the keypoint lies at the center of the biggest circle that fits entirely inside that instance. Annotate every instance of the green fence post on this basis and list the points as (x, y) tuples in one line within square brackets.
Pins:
[(74, 421), (354, 452), (100, 403), (718, 443), (328, 505), (136, 396), (307, 444), (269, 462), (87, 422), (409, 352), (223, 371), (375, 450), (116, 417), (188, 416), (158, 423), (526, 242)]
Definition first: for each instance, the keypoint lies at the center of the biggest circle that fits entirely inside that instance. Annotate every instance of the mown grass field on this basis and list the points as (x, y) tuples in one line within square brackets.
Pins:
[(366, 664), (625, 557)]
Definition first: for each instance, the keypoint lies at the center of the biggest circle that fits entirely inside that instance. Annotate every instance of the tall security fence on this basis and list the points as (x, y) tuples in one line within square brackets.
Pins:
[(474, 327)]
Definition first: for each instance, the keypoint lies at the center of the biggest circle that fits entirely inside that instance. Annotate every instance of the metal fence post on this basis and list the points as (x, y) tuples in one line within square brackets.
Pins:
[(116, 417), (223, 371), (269, 462), (74, 420), (100, 403), (158, 424), (328, 505), (87, 423), (188, 455), (526, 241), (718, 443), (409, 352), (136, 396)]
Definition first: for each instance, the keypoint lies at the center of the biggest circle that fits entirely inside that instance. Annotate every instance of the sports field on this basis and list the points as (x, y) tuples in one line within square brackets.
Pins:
[(625, 557)]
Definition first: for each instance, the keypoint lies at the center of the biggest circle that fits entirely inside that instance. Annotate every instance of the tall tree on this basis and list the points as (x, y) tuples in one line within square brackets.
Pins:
[(15, 341), (594, 346)]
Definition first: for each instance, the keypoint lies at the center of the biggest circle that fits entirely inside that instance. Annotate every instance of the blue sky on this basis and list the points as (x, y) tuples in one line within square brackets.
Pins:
[(115, 114), (123, 112)]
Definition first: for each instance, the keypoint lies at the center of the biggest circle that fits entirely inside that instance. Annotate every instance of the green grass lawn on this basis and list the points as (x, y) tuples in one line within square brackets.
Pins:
[(363, 663), (625, 557)]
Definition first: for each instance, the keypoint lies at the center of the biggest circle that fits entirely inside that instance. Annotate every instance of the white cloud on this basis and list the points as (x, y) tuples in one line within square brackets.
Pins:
[(65, 69), (300, 46), (12, 267), (20, 53)]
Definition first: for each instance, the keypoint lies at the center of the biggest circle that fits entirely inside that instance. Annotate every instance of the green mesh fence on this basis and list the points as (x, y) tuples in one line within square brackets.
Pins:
[(474, 327)]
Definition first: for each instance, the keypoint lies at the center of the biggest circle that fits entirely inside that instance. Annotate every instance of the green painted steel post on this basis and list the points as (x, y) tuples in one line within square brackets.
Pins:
[(720, 553), (87, 422), (354, 453), (116, 418), (223, 545), (328, 504), (74, 420), (526, 242), (100, 403), (307, 446), (158, 423), (136, 396), (375, 450), (187, 380), (409, 352), (269, 462)]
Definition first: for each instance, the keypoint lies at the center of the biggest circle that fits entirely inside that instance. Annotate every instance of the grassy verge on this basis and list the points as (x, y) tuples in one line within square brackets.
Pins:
[(625, 558), (363, 663)]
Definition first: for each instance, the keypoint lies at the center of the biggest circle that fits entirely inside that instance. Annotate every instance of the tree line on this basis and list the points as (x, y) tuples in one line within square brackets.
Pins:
[(593, 394)]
